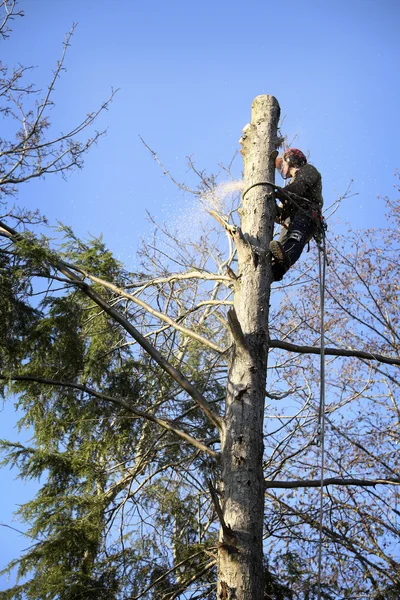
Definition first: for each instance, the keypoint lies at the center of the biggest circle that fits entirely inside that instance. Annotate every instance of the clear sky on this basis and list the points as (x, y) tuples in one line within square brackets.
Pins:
[(187, 73)]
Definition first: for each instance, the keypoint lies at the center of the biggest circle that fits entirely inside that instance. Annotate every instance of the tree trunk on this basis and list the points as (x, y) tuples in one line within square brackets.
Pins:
[(241, 575)]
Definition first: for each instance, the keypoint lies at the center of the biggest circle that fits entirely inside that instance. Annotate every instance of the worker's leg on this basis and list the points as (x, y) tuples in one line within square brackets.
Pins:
[(300, 229), (291, 242), (280, 263)]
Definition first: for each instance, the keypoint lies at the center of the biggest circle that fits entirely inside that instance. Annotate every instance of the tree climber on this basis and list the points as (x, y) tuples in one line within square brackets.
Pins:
[(300, 213)]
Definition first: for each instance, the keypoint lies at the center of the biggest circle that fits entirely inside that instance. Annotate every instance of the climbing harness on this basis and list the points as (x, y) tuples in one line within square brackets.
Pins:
[(322, 262)]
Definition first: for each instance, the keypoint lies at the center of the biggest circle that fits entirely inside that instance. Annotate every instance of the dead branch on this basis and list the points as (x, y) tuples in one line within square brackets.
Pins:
[(181, 186), (154, 312), (309, 483), (142, 285), (225, 528), (334, 352), (236, 330)]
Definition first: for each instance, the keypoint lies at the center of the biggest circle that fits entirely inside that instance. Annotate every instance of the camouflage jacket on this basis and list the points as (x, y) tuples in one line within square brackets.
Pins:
[(307, 183)]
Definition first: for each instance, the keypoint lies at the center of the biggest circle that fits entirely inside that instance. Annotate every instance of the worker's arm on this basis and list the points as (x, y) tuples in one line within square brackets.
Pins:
[(287, 196), (304, 180), (284, 194)]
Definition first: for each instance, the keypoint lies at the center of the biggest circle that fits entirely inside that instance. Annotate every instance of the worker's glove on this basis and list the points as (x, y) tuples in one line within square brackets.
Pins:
[(279, 214), (279, 193)]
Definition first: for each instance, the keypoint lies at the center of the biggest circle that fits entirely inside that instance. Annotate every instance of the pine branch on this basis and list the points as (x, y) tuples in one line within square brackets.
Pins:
[(119, 402), (164, 575), (86, 289)]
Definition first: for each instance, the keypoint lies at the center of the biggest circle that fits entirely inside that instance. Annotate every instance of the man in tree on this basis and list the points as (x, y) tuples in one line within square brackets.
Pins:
[(300, 214)]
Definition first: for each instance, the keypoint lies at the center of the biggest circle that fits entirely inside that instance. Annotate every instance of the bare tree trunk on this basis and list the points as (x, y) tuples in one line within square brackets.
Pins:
[(241, 574)]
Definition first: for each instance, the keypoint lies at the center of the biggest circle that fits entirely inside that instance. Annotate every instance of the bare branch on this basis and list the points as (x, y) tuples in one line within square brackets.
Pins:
[(236, 330), (231, 229), (181, 186), (228, 533), (32, 154), (309, 483), (334, 352), (179, 277), (154, 312), (10, 13)]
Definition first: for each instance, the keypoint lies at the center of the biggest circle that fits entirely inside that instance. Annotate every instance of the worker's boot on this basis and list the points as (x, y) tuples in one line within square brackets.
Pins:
[(280, 261)]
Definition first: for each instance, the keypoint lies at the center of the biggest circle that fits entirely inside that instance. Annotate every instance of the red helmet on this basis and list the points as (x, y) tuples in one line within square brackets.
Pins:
[(294, 157)]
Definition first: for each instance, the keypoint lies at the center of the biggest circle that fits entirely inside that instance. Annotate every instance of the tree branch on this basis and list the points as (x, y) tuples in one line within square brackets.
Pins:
[(119, 402), (183, 382), (228, 533), (236, 330), (155, 313), (10, 13), (178, 277), (164, 575), (334, 352), (308, 483), (166, 171)]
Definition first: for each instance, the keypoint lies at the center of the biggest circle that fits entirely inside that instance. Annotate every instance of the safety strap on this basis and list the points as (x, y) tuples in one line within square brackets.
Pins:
[(322, 262)]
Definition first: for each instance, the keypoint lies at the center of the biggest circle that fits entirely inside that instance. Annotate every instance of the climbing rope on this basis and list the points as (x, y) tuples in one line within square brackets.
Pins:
[(322, 261)]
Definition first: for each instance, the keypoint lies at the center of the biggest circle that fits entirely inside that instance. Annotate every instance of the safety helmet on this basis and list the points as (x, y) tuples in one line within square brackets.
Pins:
[(294, 157)]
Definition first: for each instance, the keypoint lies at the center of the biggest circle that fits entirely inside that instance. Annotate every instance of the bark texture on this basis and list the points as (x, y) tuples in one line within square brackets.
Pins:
[(241, 574)]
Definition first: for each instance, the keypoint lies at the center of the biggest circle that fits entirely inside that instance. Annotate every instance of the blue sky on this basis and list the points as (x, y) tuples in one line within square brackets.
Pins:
[(187, 74)]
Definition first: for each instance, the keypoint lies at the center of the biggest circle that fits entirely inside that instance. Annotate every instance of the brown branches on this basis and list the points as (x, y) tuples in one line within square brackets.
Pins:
[(334, 352), (10, 12), (165, 171), (31, 153), (309, 483), (152, 311)]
